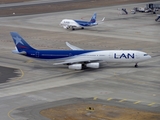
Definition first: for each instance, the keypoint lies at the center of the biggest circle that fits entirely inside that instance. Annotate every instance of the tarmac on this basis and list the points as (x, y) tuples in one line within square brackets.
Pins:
[(40, 83), (31, 3)]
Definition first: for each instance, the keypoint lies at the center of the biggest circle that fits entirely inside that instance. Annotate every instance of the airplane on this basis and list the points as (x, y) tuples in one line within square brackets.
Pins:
[(77, 58), (151, 7), (69, 23)]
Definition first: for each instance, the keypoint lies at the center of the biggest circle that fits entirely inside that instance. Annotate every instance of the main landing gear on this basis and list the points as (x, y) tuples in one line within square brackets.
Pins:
[(73, 28), (136, 65), (82, 27)]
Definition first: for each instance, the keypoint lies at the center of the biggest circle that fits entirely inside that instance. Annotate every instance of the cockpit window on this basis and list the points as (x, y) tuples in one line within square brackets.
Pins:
[(145, 54)]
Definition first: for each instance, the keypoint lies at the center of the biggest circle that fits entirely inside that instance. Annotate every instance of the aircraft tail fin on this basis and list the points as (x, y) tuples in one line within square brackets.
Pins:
[(158, 17), (93, 19), (21, 44)]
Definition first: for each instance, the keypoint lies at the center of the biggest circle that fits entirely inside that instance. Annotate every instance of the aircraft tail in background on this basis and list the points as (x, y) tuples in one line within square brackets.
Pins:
[(93, 19)]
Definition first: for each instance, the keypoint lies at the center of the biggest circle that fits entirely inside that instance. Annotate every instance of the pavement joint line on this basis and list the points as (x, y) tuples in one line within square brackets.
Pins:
[(109, 99), (137, 102), (95, 98), (151, 104), (122, 100)]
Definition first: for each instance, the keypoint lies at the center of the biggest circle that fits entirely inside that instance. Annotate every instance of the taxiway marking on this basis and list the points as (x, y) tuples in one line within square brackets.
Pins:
[(109, 99), (137, 102), (122, 100), (22, 74), (151, 104), (10, 113), (95, 98)]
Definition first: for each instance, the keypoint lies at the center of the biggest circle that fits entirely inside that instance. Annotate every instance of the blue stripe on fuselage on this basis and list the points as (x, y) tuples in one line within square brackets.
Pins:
[(83, 23), (55, 54)]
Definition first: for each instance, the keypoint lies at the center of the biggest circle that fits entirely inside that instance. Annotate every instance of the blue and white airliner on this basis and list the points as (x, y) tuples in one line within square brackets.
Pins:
[(77, 58), (69, 23)]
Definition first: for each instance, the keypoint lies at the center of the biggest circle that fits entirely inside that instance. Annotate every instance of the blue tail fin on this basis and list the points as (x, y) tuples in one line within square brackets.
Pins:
[(20, 43), (93, 19)]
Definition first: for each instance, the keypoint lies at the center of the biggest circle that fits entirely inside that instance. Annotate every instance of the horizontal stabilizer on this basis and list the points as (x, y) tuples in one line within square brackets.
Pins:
[(103, 19)]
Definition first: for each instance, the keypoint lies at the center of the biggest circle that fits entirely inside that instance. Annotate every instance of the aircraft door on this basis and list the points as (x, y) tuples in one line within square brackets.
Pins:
[(37, 54), (70, 54), (110, 55), (137, 55)]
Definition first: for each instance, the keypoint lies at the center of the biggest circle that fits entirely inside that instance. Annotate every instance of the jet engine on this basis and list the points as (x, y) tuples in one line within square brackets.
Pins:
[(75, 66), (93, 65), (66, 27)]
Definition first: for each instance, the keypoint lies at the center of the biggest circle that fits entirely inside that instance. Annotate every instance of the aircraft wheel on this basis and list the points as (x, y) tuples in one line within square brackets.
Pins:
[(136, 65), (82, 27), (73, 29), (84, 67)]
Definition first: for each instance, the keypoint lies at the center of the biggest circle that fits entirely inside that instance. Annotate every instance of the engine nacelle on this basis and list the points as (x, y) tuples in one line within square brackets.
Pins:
[(65, 27), (93, 65), (75, 67)]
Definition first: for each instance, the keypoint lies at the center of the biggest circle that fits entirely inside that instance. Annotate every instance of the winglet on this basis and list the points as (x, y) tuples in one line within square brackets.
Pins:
[(73, 47)]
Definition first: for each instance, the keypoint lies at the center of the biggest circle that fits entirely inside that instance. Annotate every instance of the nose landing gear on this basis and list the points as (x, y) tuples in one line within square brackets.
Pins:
[(136, 65)]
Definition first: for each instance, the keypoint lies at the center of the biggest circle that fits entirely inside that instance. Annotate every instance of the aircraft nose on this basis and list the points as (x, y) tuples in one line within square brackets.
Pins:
[(61, 23)]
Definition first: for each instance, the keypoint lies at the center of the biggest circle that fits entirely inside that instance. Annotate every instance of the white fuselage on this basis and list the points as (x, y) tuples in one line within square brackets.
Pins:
[(130, 56), (69, 23)]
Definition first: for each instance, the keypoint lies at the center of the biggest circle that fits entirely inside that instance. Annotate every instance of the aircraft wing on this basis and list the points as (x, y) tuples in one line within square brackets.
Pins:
[(73, 47)]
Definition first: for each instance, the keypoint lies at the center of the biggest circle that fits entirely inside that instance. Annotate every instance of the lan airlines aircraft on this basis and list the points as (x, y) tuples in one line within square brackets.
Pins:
[(69, 23), (78, 58)]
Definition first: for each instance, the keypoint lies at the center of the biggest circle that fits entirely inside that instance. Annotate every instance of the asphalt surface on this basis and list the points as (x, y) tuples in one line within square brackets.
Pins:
[(7, 73), (39, 7), (31, 3), (31, 112), (42, 83)]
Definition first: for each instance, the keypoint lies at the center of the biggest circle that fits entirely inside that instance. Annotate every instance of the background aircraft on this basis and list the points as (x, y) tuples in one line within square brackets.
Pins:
[(78, 58), (153, 7), (69, 23)]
